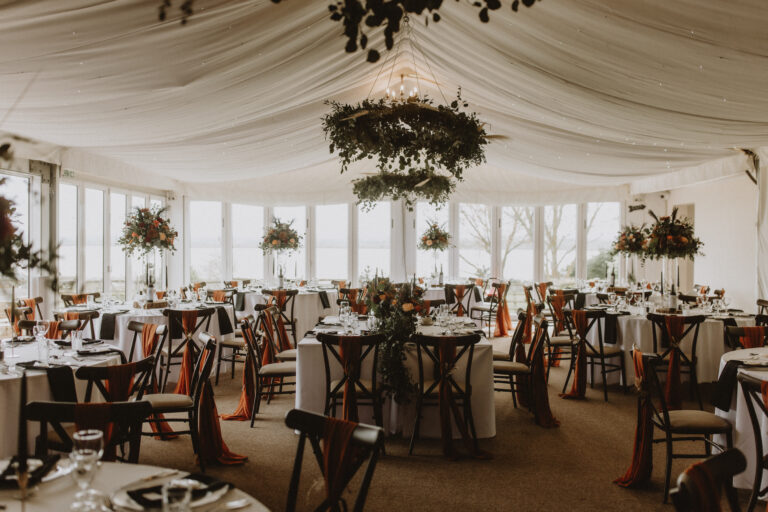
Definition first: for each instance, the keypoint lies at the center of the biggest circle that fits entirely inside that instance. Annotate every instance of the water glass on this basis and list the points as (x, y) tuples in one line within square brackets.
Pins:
[(77, 340), (177, 495), (87, 449), (203, 293)]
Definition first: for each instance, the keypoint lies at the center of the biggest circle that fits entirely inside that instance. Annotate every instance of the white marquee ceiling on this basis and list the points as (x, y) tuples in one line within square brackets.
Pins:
[(596, 97)]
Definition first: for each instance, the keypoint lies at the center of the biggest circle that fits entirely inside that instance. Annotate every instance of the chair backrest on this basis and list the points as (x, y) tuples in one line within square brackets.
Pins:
[(253, 341), (175, 319), (430, 346), (203, 366), (452, 299), (367, 441), (98, 377), (332, 351), (126, 417), (752, 390), (19, 313), (37, 300), (688, 299), (518, 334), (78, 298), (733, 336), (65, 326), (762, 306), (661, 335), (137, 328), (689, 496)]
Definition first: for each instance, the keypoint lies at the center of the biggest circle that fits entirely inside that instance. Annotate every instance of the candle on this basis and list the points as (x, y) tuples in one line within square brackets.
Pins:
[(22, 447), (13, 313)]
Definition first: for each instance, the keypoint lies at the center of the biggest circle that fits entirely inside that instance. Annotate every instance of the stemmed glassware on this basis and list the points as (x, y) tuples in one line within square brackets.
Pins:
[(87, 449), (203, 294), (39, 330)]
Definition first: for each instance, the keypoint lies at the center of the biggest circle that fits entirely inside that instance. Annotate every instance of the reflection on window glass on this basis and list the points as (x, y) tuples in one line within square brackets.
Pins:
[(474, 240), (247, 232), (67, 238), (331, 241), (374, 239), (517, 250), (429, 263), (16, 189), (138, 201), (603, 222), (294, 260), (560, 244), (94, 240), (138, 264), (117, 256), (205, 261)]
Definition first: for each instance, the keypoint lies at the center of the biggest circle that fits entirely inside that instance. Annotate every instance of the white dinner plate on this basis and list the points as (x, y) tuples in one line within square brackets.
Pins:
[(122, 501)]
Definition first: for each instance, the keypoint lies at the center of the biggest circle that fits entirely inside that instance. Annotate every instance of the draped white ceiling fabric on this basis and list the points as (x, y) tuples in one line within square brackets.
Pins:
[(598, 99)]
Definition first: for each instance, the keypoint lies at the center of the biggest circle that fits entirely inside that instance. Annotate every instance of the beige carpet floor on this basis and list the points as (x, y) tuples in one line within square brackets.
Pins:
[(567, 468)]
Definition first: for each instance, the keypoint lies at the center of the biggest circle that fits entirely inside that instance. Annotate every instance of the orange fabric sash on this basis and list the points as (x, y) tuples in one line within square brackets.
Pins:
[(53, 332), (673, 387), (527, 292), (503, 320), (703, 290), (188, 321), (279, 297), (579, 386), (753, 337), (528, 326), (543, 291), (704, 489), (219, 295), (358, 306), (119, 381), (538, 380), (197, 286), (558, 304), (212, 446), (639, 471), (448, 406), (522, 382), (285, 343), (349, 353), (81, 298), (426, 305), (96, 416), (244, 408), (268, 355), (459, 291), (160, 295), (32, 305), (338, 458), (149, 339)]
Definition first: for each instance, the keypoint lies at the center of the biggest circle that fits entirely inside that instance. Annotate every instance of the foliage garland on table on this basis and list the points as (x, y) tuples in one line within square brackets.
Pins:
[(421, 148), (14, 253), (671, 237), (395, 309), (146, 229), (280, 237), (435, 238), (630, 240), (357, 15)]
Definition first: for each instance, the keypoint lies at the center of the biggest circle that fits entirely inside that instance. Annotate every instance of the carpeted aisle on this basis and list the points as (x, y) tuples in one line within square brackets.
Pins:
[(568, 468)]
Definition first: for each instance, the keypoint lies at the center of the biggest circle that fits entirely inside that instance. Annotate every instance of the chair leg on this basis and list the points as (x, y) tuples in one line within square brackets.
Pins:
[(218, 364), (591, 362), (196, 440), (570, 370), (668, 473), (623, 373), (256, 401), (469, 418), (549, 359), (605, 380), (416, 425), (234, 356), (512, 389)]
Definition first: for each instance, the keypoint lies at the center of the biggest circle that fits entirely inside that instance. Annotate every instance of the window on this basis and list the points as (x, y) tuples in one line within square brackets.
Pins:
[(374, 234), (117, 205), (517, 250), (294, 261), (430, 262), (247, 232), (94, 241), (560, 244), (67, 264), (17, 190), (205, 258), (474, 240), (603, 222), (331, 241)]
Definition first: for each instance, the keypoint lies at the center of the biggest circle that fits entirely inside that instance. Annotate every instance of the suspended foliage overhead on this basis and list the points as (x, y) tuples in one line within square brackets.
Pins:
[(421, 148), (357, 16)]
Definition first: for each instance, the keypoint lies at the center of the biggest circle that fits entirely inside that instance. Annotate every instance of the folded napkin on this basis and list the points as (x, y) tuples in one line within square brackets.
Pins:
[(107, 329), (68, 343), (61, 381), (143, 496), (726, 384), (326, 303), (8, 476), (612, 326), (240, 301), (225, 324)]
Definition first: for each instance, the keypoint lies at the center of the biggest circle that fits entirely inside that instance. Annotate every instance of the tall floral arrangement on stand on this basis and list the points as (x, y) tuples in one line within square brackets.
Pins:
[(435, 239), (671, 239), (280, 238), (629, 242), (395, 309), (145, 231)]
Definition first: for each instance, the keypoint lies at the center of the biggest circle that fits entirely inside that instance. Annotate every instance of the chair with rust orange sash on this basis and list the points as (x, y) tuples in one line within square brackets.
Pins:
[(439, 385), (700, 487), (272, 372), (746, 337), (245, 407), (276, 333), (285, 300), (340, 448), (57, 330), (120, 421), (495, 311), (78, 298), (183, 324), (681, 424), (118, 383), (17, 315), (34, 304), (458, 296), (563, 342), (86, 319), (137, 328), (351, 389), (231, 350), (670, 332), (755, 393)]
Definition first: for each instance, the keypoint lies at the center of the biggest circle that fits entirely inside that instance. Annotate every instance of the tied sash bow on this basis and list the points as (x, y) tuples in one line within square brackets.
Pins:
[(579, 386), (459, 291), (673, 388), (503, 320), (349, 353), (188, 327)]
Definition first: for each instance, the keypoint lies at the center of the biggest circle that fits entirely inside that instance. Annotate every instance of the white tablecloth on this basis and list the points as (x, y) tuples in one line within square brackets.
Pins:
[(310, 390), (307, 309), (58, 494), (37, 389), (637, 329), (738, 415)]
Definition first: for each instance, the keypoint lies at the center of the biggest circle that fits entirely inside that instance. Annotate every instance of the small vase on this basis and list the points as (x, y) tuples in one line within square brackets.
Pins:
[(670, 274)]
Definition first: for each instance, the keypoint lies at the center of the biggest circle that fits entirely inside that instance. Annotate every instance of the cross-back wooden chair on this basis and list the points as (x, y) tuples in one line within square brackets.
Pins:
[(171, 356), (285, 300), (365, 443), (511, 372), (752, 389), (734, 334), (32, 302), (485, 311), (18, 314), (86, 319), (125, 417), (664, 345), (351, 390), (762, 306), (136, 328), (78, 298), (561, 345), (98, 377), (428, 353), (65, 327), (459, 296), (701, 483)]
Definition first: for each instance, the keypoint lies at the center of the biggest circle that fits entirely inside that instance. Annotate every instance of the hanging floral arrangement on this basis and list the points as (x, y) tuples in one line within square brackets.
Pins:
[(435, 238), (146, 229), (280, 237), (421, 149), (630, 241), (671, 237)]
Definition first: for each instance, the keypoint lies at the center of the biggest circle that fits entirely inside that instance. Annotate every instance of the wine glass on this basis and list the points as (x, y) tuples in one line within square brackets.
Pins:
[(87, 449), (203, 293), (43, 349)]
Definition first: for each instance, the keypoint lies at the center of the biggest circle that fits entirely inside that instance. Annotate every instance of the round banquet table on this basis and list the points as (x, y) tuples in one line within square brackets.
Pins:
[(310, 389), (307, 310), (738, 415), (59, 493), (37, 389), (638, 330)]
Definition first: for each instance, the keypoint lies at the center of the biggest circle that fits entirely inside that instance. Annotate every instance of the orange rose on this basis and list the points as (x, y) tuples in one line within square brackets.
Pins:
[(407, 307), (274, 242)]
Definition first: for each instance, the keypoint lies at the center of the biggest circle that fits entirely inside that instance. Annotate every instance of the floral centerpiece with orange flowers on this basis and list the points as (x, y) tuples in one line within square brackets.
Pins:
[(630, 241), (280, 237), (145, 230), (435, 238), (396, 309), (671, 237)]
